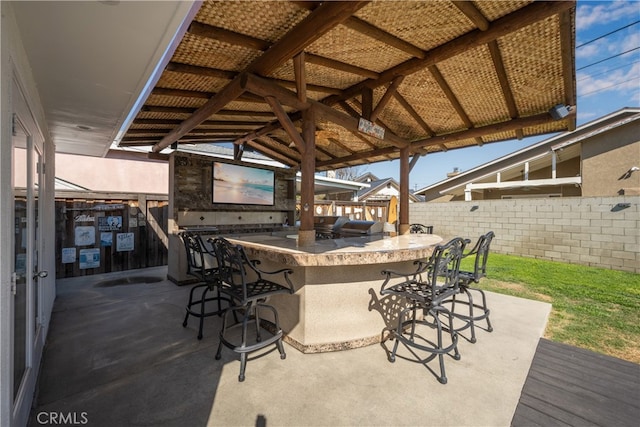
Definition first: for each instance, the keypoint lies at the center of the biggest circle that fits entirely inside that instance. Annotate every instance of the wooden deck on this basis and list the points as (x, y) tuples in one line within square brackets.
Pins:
[(572, 386)]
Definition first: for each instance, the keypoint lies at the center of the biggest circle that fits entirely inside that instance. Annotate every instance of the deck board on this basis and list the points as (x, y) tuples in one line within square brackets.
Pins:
[(572, 386)]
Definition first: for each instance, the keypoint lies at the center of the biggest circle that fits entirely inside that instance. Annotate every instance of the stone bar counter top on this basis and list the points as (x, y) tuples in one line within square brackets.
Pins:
[(337, 303), (332, 252)]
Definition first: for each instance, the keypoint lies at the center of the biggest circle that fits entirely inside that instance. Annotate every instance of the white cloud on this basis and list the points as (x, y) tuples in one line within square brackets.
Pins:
[(589, 14), (622, 82)]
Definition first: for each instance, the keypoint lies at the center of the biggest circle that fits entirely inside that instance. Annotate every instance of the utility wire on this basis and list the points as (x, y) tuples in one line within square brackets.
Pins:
[(608, 34), (590, 76), (609, 87), (606, 59)]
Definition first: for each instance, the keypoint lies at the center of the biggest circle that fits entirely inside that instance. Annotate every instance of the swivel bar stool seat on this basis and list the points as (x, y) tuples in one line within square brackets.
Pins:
[(245, 284)]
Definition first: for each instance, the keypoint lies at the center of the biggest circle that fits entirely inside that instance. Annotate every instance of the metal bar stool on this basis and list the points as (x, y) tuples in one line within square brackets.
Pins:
[(466, 278), (421, 229), (202, 264), (245, 284), (424, 290)]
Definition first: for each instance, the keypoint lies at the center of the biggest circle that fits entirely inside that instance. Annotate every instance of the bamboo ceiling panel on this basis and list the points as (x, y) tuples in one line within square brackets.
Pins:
[(435, 75), (425, 24)]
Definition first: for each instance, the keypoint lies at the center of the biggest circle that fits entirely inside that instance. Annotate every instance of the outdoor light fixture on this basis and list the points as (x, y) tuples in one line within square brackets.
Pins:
[(559, 112)]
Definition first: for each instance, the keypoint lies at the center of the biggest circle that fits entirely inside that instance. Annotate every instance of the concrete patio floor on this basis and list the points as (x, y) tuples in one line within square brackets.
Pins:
[(117, 353)]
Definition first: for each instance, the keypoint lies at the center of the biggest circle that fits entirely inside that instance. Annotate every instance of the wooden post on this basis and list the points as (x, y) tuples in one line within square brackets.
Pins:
[(306, 233), (403, 219)]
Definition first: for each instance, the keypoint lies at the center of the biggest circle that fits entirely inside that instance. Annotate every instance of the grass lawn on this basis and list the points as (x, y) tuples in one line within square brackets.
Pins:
[(593, 308)]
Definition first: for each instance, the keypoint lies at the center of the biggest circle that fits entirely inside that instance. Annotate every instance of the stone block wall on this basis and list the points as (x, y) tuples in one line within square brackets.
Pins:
[(595, 231)]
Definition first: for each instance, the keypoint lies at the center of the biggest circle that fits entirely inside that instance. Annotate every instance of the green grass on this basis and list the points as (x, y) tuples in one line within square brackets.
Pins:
[(593, 308)]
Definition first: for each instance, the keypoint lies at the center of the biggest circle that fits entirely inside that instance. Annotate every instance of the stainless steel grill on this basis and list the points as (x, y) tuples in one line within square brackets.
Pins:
[(327, 226), (360, 228)]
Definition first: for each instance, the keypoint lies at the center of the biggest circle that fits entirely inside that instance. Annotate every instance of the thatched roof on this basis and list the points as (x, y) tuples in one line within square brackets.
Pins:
[(435, 75)]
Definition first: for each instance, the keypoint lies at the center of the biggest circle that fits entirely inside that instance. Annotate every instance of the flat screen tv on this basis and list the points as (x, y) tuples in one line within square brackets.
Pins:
[(242, 185)]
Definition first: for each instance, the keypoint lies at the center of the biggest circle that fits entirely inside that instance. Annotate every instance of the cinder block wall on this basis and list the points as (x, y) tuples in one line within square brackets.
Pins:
[(594, 231)]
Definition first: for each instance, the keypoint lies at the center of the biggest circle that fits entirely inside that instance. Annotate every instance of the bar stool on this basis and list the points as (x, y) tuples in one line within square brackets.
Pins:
[(201, 264), (466, 278), (425, 290), (245, 285)]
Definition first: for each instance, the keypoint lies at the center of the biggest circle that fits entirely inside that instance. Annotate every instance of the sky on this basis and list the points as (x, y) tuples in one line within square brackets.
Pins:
[(606, 81)]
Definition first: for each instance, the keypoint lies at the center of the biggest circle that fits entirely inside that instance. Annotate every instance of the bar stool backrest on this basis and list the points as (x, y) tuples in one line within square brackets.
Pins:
[(195, 255), (444, 266), (481, 250), (232, 265)]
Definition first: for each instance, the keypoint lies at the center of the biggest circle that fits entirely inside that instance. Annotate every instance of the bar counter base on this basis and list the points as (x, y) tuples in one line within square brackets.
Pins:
[(336, 305)]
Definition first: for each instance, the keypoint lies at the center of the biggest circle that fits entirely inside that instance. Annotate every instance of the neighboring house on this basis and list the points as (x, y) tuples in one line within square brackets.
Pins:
[(599, 158), (377, 189)]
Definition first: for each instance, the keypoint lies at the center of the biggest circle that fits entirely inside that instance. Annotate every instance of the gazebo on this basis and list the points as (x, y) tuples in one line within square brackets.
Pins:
[(325, 85)]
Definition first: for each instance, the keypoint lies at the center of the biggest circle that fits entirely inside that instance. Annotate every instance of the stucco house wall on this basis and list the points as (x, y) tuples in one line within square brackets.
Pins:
[(606, 159)]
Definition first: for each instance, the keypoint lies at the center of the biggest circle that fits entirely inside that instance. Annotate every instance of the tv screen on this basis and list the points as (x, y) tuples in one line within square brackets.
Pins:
[(242, 185)]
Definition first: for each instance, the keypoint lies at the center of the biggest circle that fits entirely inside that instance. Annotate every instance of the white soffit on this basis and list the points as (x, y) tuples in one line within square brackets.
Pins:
[(91, 61)]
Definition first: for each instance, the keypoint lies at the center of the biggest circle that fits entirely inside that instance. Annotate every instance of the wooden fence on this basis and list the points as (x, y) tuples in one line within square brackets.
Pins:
[(105, 232)]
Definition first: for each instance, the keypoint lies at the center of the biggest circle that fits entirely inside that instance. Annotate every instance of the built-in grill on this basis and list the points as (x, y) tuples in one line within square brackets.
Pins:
[(357, 228), (327, 226)]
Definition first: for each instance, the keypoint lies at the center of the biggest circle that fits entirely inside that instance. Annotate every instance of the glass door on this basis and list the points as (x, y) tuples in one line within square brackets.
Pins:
[(26, 185)]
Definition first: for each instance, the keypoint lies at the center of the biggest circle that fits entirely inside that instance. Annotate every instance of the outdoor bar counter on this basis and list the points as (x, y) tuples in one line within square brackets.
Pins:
[(336, 304)]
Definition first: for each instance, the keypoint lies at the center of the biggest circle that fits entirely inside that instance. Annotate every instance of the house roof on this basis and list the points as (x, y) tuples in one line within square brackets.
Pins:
[(434, 75), (536, 154), (377, 185)]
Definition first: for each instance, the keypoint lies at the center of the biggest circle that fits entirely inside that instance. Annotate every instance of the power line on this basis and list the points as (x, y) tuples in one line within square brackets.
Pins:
[(609, 87), (590, 76), (606, 59), (608, 34)]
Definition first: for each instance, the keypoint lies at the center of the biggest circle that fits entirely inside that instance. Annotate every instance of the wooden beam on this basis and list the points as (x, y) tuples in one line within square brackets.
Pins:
[(238, 39), (191, 110), (196, 94), (507, 93), (307, 170), (162, 91), (442, 139), (358, 156), (301, 76), (200, 71), (376, 33), (453, 99), (474, 15), (287, 124), (403, 215), (265, 88), (367, 103), (232, 91), (413, 113), (228, 75), (414, 161), (227, 36), (323, 19), (279, 145), (317, 23), (274, 154), (341, 66), (568, 66), (511, 125), (510, 23), (393, 87)]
